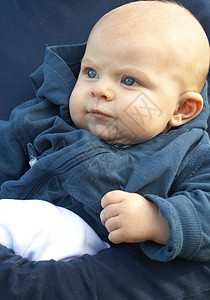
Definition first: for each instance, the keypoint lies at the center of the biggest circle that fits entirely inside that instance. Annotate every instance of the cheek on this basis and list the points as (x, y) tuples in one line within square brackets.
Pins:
[(77, 106), (78, 97), (73, 101)]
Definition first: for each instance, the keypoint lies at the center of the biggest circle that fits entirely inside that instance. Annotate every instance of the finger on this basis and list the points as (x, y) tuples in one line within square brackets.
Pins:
[(108, 212), (115, 236), (112, 224), (112, 197)]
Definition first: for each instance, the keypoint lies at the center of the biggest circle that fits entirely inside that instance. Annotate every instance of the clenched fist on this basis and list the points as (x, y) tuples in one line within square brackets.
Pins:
[(131, 218)]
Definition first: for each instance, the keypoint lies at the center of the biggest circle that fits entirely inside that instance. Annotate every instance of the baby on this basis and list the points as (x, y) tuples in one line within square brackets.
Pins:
[(153, 48), (141, 77)]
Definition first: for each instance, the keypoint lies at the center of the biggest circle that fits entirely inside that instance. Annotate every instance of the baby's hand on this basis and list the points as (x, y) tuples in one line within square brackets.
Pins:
[(131, 218)]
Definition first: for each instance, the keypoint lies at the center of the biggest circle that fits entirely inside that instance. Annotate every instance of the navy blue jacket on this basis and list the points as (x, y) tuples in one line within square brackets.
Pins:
[(73, 169)]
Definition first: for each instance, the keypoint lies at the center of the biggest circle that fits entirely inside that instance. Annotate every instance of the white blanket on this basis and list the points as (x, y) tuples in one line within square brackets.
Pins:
[(38, 230)]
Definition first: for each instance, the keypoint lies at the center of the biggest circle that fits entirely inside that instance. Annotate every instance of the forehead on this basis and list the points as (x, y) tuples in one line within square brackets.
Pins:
[(134, 47)]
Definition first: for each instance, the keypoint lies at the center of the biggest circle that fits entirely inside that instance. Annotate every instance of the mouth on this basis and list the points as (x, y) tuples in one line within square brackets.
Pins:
[(98, 114)]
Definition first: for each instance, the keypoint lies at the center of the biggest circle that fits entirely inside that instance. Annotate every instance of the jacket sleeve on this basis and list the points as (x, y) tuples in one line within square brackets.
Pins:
[(187, 211), (23, 279), (13, 158)]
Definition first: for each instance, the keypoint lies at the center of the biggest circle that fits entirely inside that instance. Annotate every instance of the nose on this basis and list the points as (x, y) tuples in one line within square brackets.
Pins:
[(103, 91)]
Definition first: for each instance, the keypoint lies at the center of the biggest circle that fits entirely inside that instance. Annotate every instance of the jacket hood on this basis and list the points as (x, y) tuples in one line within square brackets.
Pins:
[(56, 77)]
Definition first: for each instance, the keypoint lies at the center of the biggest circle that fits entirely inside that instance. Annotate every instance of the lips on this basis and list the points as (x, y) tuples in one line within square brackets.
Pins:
[(98, 114)]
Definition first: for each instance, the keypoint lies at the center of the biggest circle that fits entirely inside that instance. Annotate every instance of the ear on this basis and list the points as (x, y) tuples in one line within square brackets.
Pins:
[(191, 104)]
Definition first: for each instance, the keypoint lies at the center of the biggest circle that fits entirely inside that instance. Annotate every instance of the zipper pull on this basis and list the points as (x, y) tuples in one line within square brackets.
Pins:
[(32, 161), (32, 155)]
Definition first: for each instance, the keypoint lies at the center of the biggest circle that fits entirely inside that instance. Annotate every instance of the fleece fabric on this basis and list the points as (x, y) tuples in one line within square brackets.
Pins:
[(44, 156)]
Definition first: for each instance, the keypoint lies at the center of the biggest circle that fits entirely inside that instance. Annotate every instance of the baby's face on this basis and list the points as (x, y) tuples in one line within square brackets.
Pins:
[(125, 92)]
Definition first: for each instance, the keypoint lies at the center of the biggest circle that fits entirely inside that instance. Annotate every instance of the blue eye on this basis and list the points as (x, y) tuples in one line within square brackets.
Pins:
[(129, 81), (92, 73)]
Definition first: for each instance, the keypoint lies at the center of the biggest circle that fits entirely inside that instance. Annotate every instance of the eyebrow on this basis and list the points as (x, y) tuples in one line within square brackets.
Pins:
[(87, 60)]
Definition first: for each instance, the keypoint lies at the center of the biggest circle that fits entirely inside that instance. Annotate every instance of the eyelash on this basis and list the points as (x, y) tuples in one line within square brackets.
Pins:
[(87, 69)]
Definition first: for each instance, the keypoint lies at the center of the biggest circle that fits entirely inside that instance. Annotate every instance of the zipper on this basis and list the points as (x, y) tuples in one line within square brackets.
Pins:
[(62, 169)]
